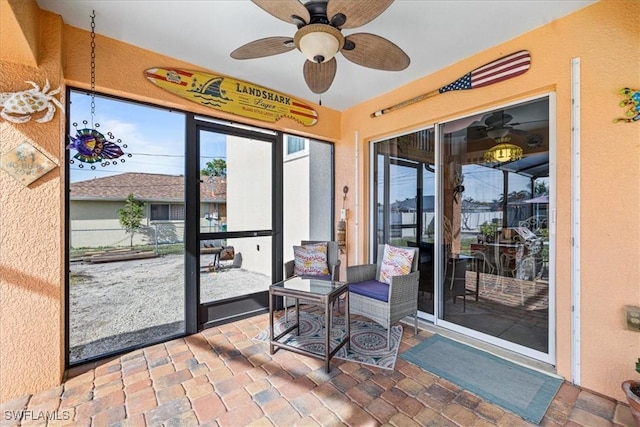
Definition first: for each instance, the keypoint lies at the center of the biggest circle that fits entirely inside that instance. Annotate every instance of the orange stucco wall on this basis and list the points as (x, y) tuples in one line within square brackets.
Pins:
[(604, 36), (19, 32), (31, 232)]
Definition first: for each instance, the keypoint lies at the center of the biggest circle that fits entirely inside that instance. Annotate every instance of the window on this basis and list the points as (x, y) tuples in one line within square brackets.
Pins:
[(295, 144), (166, 212)]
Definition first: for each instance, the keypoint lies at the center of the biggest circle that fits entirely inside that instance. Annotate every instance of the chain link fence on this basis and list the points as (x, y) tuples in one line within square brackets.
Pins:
[(158, 237)]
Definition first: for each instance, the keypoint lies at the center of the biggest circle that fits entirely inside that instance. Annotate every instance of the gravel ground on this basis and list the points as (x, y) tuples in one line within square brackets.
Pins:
[(118, 304)]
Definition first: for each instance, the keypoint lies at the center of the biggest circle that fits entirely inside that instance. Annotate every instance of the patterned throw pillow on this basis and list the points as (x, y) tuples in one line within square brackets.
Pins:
[(395, 262), (310, 260)]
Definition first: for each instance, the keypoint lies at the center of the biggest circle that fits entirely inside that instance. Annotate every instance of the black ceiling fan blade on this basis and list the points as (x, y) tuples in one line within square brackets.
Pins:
[(515, 131), (356, 13), (476, 132), (264, 47), (285, 10), (375, 52), (319, 76), (498, 119), (527, 122)]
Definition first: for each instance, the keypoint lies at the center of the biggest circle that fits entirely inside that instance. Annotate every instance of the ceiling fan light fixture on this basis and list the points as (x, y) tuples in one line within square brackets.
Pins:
[(497, 133), (502, 153), (319, 42)]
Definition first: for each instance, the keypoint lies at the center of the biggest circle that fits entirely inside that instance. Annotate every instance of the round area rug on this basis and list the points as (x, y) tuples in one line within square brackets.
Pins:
[(371, 342)]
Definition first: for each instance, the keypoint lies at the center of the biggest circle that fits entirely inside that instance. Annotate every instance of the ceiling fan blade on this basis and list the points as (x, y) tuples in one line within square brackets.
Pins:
[(498, 119), (285, 10), (356, 13), (527, 122), (319, 76), (476, 132), (264, 47), (375, 52), (515, 131)]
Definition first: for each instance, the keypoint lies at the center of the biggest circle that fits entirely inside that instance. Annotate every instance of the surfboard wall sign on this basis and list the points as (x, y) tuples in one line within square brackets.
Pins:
[(232, 96)]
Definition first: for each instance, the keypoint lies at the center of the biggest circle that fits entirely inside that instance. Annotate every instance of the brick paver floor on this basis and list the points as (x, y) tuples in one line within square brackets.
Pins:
[(223, 377)]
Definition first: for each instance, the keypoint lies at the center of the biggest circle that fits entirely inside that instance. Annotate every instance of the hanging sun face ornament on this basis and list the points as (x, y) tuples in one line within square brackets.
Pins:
[(93, 147)]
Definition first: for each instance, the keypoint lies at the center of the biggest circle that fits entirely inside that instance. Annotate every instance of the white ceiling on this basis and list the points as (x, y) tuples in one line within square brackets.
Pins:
[(434, 33)]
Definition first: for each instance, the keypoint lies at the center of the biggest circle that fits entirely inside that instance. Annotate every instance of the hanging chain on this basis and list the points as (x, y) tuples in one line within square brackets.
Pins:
[(93, 66)]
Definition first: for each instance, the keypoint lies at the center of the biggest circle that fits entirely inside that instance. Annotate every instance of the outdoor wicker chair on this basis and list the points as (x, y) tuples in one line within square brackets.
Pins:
[(386, 304), (332, 261)]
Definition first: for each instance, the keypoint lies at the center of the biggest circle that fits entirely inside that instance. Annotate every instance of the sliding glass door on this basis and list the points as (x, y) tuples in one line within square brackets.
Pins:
[(495, 231), (485, 226)]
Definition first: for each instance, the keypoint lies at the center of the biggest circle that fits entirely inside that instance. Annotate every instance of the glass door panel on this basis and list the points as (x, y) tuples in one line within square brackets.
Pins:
[(495, 177), (307, 192), (404, 191), (403, 197), (427, 240), (235, 215), (126, 228)]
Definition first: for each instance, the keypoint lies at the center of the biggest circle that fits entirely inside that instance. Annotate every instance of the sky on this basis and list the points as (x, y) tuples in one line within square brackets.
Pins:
[(154, 137)]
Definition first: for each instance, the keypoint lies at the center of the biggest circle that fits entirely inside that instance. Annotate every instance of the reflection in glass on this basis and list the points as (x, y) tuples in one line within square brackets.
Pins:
[(405, 191), (493, 230), (495, 236)]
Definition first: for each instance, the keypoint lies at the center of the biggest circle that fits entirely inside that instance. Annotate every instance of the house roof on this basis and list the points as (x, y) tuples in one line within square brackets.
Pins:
[(146, 187), (409, 205)]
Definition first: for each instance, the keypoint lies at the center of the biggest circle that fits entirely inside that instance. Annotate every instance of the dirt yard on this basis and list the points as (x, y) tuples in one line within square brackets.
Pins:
[(118, 304)]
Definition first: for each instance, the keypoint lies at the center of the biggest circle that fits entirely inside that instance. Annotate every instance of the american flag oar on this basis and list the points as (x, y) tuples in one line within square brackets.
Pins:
[(496, 71)]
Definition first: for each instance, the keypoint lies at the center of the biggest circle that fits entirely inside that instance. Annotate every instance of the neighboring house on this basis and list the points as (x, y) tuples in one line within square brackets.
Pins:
[(94, 205)]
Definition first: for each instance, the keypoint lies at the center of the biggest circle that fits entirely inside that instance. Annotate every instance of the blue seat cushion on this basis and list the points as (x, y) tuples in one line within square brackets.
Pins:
[(372, 289)]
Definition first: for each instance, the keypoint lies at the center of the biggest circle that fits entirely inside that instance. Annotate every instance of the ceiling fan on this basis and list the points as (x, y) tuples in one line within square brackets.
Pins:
[(319, 37), (496, 125)]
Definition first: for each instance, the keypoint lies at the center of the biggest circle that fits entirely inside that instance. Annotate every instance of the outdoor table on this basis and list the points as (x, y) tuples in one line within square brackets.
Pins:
[(323, 292)]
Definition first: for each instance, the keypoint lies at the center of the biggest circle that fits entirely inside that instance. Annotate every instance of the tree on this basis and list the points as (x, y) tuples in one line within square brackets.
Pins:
[(541, 188), (216, 167), (468, 206), (131, 215)]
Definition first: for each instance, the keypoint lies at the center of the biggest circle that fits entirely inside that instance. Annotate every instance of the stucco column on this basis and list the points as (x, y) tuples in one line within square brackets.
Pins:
[(32, 217)]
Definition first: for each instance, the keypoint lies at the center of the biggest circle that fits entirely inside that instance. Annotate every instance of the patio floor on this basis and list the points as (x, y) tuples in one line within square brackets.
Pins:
[(223, 377)]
